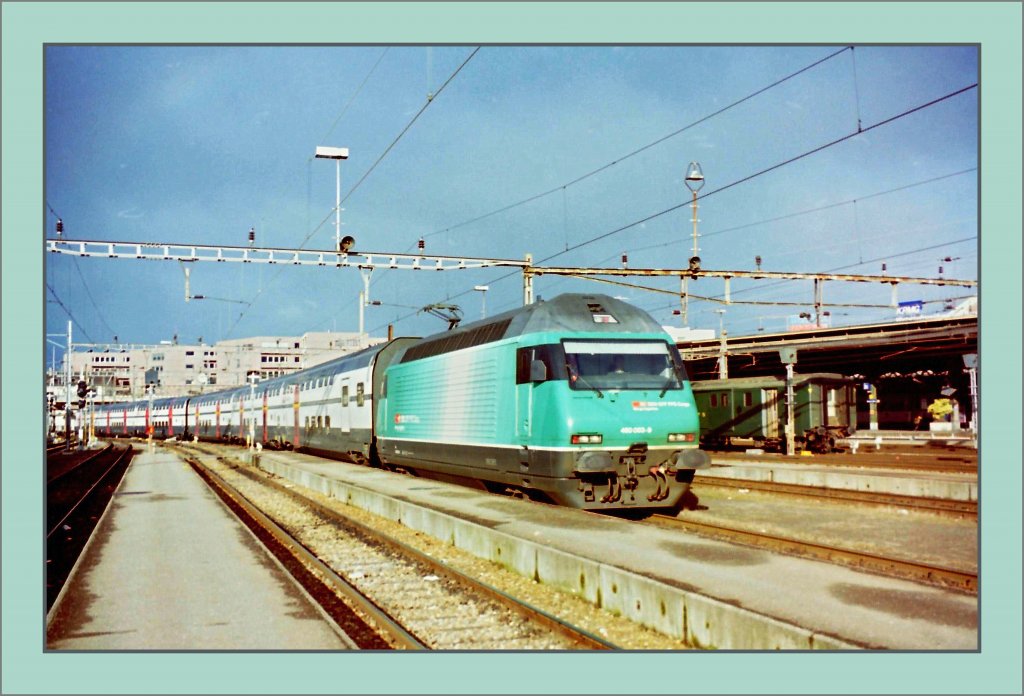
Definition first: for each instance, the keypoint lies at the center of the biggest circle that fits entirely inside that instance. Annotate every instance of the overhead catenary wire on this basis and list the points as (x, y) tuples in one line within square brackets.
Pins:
[(767, 286), (85, 284), (638, 150), (355, 94), (430, 99), (790, 216), (68, 312), (766, 170)]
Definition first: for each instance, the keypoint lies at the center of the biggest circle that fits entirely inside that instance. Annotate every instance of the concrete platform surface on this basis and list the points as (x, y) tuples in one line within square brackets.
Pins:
[(169, 568), (711, 593), (897, 482)]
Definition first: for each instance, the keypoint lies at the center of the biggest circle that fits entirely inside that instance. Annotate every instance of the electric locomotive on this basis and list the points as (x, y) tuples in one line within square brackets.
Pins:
[(581, 400)]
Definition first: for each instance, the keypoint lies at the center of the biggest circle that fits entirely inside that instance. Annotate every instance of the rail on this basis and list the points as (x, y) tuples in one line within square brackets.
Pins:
[(921, 572)]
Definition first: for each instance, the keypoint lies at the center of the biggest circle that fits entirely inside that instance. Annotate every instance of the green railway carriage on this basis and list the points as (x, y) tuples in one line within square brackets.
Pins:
[(581, 400), (751, 411)]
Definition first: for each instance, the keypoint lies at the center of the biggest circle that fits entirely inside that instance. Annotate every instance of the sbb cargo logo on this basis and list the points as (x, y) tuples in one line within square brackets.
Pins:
[(406, 418)]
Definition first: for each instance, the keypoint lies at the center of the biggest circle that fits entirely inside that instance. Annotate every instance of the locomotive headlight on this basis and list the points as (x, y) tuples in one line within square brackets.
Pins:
[(587, 439), (681, 437)]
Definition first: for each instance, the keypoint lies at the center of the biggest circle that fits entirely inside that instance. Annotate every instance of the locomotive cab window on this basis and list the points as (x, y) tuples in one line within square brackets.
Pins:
[(360, 396), (551, 356), (627, 364)]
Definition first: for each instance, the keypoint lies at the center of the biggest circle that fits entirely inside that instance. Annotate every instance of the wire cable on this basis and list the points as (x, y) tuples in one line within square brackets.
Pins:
[(766, 170), (641, 149), (745, 179), (354, 95), (309, 236), (68, 312), (430, 100)]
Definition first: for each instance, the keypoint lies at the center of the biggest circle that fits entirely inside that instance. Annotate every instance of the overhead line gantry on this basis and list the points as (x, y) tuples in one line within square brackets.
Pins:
[(368, 261)]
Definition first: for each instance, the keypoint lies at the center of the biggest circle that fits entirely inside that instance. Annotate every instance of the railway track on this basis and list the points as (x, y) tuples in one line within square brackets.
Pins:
[(958, 508), (920, 572), (405, 598), (76, 496)]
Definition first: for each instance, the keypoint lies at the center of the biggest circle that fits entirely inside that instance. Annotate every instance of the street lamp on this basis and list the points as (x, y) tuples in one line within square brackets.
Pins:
[(694, 181), (337, 154), (482, 289), (253, 378)]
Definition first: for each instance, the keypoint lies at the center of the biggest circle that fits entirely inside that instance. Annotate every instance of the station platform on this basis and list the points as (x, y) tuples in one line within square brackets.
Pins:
[(943, 486), (169, 568), (710, 593), (868, 440)]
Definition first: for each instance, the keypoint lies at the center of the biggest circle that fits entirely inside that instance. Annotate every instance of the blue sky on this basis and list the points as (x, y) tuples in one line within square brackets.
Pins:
[(198, 144)]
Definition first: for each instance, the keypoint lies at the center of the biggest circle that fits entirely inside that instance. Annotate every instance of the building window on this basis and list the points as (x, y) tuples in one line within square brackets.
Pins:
[(189, 366), (189, 352)]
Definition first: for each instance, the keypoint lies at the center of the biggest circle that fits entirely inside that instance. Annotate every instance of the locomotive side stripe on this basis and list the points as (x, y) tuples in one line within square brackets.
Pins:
[(576, 448)]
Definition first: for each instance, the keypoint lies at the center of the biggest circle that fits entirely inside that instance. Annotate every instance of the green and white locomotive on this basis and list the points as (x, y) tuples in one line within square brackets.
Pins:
[(581, 400)]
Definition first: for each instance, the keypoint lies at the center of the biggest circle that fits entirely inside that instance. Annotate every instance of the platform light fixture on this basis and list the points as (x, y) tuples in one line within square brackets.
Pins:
[(694, 182), (482, 289), (337, 154)]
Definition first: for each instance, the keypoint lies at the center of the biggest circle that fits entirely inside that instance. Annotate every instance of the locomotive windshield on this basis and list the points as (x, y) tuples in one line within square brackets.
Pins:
[(600, 365)]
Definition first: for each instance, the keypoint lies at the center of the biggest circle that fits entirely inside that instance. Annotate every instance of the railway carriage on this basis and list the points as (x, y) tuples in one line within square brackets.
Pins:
[(751, 411)]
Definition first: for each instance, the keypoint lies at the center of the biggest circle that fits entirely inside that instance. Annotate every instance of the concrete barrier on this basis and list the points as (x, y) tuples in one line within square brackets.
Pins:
[(699, 620)]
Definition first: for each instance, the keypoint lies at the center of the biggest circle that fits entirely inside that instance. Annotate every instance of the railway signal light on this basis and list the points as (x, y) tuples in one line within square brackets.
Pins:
[(421, 244), (252, 236), (83, 389), (60, 227)]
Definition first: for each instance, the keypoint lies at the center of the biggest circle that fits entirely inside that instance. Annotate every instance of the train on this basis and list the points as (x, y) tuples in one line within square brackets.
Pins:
[(751, 412), (580, 400)]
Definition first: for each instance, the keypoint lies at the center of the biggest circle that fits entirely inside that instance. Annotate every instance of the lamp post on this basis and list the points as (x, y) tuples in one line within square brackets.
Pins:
[(695, 182), (723, 358), (337, 154), (482, 289), (252, 419)]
